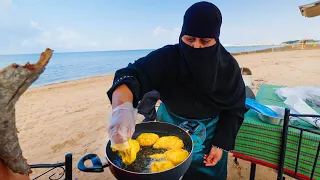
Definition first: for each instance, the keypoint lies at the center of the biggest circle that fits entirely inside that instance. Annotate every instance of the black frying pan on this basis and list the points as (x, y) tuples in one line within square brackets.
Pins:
[(135, 170)]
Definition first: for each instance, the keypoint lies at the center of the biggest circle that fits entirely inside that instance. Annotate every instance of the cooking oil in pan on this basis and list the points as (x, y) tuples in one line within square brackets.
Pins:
[(143, 161)]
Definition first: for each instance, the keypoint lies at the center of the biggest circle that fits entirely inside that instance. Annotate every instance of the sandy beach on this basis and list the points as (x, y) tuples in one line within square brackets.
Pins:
[(71, 117)]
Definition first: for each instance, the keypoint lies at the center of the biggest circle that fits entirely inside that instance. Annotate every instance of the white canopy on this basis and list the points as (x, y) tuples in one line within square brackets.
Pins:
[(310, 10)]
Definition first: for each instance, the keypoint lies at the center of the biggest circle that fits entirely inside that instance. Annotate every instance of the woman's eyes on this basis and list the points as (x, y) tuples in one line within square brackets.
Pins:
[(205, 41), (191, 39), (202, 41)]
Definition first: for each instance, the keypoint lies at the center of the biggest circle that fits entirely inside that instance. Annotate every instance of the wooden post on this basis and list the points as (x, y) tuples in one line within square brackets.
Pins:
[(14, 81)]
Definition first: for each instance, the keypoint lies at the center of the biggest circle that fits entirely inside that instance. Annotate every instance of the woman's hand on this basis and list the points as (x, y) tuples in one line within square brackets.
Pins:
[(122, 125), (213, 157)]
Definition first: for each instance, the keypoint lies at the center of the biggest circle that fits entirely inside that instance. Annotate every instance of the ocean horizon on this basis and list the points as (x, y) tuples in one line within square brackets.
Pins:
[(67, 66)]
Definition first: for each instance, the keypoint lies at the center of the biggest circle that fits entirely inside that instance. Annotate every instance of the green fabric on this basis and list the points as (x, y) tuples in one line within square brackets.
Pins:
[(262, 141), (203, 136)]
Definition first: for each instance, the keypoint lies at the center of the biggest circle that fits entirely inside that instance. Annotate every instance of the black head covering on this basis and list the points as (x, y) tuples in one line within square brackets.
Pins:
[(213, 70), (202, 20)]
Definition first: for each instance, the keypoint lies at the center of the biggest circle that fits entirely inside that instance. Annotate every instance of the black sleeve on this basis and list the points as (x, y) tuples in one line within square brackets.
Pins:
[(231, 116), (230, 121), (227, 128), (153, 71)]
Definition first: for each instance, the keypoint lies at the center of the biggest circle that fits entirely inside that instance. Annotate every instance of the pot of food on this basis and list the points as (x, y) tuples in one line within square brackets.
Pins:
[(158, 151)]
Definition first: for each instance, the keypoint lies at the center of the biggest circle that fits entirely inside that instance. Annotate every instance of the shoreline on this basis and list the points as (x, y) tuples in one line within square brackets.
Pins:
[(147, 49), (280, 49), (74, 80), (268, 50)]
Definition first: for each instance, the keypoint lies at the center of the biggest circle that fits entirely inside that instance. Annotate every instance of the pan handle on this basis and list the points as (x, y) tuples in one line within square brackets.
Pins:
[(96, 164)]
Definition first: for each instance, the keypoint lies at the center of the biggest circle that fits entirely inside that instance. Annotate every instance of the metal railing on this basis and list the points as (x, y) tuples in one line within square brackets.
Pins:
[(283, 147), (284, 144), (65, 169)]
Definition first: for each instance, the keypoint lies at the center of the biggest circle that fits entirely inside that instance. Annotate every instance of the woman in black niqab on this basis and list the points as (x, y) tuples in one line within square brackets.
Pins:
[(199, 82), (212, 68)]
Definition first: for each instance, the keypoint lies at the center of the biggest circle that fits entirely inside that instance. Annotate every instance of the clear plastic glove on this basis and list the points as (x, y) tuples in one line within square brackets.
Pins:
[(122, 123)]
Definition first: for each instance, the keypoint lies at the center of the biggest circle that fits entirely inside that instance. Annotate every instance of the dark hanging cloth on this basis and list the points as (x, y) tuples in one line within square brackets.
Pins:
[(147, 105), (195, 83)]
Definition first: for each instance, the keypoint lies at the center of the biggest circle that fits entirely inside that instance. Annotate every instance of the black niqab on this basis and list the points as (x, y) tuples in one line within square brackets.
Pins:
[(213, 70)]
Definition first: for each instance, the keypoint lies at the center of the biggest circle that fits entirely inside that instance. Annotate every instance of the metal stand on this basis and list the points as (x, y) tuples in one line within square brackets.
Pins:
[(236, 161), (253, 171), (65, 166), (283, 143), (68, 164), (283, 147)]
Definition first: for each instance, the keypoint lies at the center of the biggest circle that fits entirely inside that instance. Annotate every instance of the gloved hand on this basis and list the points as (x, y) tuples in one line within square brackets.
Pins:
[(122, 125)]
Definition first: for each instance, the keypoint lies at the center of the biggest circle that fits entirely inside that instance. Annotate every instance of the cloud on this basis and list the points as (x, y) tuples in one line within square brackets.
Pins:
[(5, 5), (93, 44), (61, 38), (35, 25), (159, 30), (119, 41), (166, 36)]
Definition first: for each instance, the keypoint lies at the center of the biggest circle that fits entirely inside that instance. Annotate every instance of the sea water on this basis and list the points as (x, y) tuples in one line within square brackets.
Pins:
[(76, 65)]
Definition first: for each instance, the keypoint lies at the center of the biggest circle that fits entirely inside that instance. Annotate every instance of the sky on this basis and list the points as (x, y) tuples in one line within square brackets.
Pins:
[(30, 26)]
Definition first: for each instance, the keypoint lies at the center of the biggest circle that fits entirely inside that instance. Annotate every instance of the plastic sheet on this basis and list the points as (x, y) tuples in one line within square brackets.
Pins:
[(309, 94)]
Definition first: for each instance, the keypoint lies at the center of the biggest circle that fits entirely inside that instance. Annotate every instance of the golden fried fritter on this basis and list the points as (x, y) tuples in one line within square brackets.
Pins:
[(169, 142), (161, 166), (128, 156), (147, 139), (176, 156)]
